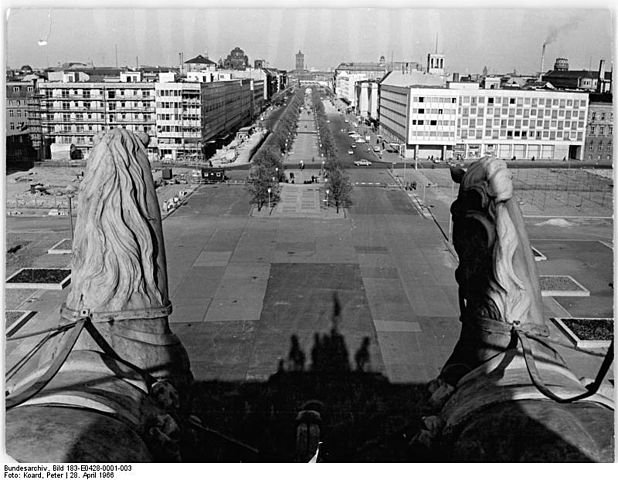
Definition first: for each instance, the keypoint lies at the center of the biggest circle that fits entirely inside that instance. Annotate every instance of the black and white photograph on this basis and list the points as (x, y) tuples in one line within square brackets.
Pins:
[(298, 233)]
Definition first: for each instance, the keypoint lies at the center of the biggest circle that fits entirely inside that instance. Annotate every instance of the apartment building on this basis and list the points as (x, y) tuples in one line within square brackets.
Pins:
[(19, 146), (74, 112), (469, 122), (600, 131), (184, 117), (179, 120)]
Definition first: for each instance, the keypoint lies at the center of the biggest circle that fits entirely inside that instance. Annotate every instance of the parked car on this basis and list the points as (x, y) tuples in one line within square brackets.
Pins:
[(376, 149), (54, 212), (360, 140), (353, 145), (362, 163), (350, 152)]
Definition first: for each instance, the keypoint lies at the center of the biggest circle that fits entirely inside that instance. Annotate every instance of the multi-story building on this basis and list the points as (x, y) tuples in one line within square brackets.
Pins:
[(200, 63), (469, 122), (179, 120), (226, 106), (347, 74), (366, 99), (74, 112), (19, 148), (600, 130), (561, 77), (184, 118), (276, 81)]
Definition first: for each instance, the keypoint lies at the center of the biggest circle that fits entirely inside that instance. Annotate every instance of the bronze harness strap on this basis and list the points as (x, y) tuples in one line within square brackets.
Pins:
[(540, 385), (34, 388)]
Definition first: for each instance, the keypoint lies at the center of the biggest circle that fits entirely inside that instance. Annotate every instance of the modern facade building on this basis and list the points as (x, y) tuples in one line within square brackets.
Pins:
[(74, 112), (179, 120), (600, 130), (470, 122)]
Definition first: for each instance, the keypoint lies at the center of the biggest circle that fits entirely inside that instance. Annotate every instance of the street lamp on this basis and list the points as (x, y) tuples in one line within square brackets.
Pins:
[(277, 172), (269, 190), (70, 193), (327, 192)]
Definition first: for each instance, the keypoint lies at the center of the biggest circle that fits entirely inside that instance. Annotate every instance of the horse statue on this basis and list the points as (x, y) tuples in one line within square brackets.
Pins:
[(112, 388), (505, 394)]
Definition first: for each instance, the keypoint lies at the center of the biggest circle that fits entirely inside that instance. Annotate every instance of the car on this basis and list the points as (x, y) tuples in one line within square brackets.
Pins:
[(350, 152), (353, 145), (376, 149), (360, 140), (362, 163), (346, 121)]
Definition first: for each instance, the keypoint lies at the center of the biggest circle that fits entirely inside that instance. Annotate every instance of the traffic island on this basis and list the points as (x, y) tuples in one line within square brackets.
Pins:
[(562, 286), (63, 247), (587, 332), (40, 278)]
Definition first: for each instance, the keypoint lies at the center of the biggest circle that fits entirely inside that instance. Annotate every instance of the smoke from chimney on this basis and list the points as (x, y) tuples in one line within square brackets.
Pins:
[(555, 31)]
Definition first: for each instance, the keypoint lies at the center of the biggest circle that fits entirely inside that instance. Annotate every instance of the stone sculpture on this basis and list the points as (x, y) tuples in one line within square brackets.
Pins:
[(116, 396), (489, 407)]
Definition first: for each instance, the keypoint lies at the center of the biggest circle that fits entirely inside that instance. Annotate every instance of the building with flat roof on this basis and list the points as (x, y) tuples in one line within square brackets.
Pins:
[(367, 100), (74, 112), (19, 148), (347, 74), (446, 123), (600, 130)]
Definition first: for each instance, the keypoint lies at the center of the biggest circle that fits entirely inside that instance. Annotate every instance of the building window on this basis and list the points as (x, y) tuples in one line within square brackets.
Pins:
[(511, 101), (421, 99)]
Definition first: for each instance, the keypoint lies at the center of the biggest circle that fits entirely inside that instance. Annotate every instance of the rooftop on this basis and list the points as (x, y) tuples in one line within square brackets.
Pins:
[(201, 59), (359, 66), (413, 78)]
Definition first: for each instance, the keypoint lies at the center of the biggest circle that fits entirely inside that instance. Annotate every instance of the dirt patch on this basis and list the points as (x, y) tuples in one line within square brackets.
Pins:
[(40, 275), (591, 329)]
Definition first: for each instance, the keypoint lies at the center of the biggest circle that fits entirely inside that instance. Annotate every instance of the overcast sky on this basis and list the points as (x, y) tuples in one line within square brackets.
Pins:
[(501, 39)]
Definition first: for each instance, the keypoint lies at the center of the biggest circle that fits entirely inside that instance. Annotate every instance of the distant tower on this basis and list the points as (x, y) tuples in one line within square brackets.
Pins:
[(382, 60), (562, 64), (300, 61), (435, 61), (259, 64)]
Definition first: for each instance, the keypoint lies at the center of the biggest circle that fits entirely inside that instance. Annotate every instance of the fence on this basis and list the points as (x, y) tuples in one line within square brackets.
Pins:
[(588, 191)]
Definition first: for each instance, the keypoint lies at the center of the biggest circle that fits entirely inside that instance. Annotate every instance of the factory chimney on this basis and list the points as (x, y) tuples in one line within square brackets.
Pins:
[(542, 63)]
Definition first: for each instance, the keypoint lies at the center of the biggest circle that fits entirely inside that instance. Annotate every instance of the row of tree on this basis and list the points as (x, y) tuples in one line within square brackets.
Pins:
[(337, 182), (267, 164)]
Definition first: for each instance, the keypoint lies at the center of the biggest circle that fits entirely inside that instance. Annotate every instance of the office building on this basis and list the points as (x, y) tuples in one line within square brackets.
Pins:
[(468, 122)]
